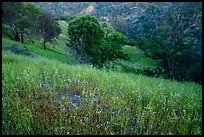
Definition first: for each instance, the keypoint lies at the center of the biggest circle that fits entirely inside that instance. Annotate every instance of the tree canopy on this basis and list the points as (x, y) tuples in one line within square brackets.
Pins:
[(85, 33), (25, 18), (21, 17), (174, 41), (48, 27), (88, 39)]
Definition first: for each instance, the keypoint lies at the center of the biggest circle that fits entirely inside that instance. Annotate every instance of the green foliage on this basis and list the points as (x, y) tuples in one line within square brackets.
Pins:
[(131, 42), (85, 33), (137, 63), (171, 42), (24, 19), (161, 48), (94, 43), (28, 10), (155, 72), (48, 27), (29, 20), (11, 12), (58, 96), (110, 49), (6, 30)]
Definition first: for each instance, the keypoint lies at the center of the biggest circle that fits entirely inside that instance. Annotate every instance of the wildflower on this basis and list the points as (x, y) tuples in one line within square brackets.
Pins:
[(73, 104), (69, 80), (94, 100), (99, 111), (113, 113), (108, 123), (63, 110), (86, 118), (63, 97), (77, 96), (98, 126), (128, 109), (106, 105)]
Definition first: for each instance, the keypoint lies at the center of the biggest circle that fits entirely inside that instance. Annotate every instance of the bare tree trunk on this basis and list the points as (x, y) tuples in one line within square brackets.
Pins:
[(171, 74), (169, 68), (15, 33), (44, 45), (22, 40)]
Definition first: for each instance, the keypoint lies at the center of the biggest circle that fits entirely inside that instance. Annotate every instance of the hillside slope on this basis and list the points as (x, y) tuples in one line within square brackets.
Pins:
[(121, 14), (125, 16), (43, 96), (57, 51), (45, 92)]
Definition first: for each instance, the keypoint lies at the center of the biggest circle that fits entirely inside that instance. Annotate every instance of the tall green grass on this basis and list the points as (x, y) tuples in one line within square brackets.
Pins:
[(36, 100)]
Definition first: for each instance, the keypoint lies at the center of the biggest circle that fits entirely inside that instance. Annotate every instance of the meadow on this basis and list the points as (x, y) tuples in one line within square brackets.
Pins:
[(47, 92), (42, 96)]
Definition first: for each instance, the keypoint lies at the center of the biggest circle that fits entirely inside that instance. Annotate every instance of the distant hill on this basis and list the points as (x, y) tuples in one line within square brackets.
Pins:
[(123, 16), (120, 14)]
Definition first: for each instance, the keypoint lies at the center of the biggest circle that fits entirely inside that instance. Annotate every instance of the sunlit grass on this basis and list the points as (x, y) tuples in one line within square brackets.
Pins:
[(137, 57), (43, 96), (135, 64)]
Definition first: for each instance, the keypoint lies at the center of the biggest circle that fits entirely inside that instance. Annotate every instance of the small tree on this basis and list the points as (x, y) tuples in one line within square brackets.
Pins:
[(167, 52), (85, 32), (11, 12), (21, 17), (28, 20), (173, 38), (48, 27), (92, 44)]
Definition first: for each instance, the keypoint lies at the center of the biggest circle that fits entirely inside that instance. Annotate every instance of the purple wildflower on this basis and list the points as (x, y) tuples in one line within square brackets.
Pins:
[(63, 110), (108, 123), (73, 104), (113, 113), (128, 109), (99, 111)]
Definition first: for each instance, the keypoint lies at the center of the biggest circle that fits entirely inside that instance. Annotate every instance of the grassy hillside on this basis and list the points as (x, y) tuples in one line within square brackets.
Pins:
[(58, 51), (43, 96), (47, 92), (137, 61), (137, 57)]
